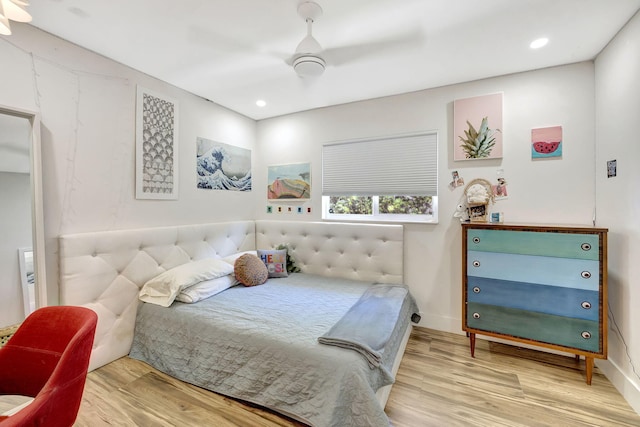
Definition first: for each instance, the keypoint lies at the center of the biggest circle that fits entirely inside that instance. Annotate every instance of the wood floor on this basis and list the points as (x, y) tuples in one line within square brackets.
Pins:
[(438, 384)]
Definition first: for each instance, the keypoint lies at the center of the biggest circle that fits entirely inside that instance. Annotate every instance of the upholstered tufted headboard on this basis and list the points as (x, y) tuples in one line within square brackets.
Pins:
[(353, 251), (105, 270)]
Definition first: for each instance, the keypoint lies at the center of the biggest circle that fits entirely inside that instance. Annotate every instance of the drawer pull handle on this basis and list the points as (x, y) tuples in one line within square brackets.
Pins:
[(477, 316), (476, 263), (476, 290), (586, 304), (585, 275), (476, 240), (586, 335), (586, 246)]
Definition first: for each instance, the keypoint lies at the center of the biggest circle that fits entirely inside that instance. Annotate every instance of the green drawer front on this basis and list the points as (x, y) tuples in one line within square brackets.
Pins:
[(546, 328), (564, 245)]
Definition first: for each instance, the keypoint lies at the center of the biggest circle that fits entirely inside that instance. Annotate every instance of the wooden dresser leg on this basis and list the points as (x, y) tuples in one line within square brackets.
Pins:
[(472, 344), (589, 363)]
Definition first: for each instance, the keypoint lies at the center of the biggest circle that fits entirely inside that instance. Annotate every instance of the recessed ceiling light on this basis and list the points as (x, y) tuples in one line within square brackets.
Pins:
[(538, 43), (261, 103)]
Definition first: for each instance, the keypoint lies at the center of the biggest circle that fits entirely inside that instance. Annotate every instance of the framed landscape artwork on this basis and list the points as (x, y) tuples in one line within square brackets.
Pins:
[(292, 182), (156, 146), (477, 127)]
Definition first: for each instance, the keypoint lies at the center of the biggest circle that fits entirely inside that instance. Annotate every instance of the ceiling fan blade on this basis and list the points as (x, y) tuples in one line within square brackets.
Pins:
[(338, 56), (218, 42)]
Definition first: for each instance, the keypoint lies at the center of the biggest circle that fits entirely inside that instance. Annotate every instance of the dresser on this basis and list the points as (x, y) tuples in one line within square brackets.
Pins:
[(538, 285)]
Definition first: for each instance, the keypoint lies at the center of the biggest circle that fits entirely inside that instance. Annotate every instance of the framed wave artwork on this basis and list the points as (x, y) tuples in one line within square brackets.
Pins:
[(222, 166)]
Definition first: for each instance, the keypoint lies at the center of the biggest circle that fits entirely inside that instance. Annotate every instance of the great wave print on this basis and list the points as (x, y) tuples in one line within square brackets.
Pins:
[(223, 166)]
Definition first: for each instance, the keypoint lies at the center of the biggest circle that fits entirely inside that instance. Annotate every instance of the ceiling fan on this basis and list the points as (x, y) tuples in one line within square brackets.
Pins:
[(307, 59), (310, 59)]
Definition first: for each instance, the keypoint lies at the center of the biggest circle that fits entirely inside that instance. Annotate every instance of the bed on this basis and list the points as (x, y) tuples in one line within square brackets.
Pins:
[(284, 368)]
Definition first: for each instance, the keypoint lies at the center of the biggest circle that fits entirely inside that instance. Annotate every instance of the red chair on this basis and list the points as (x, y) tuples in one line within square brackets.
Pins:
[(47, 358)]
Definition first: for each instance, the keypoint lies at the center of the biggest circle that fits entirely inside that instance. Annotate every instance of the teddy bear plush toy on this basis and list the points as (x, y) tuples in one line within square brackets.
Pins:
[(461, 212)]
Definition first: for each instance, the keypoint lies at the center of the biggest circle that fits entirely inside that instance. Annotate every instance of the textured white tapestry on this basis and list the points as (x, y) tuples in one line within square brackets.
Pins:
[(156, 150)]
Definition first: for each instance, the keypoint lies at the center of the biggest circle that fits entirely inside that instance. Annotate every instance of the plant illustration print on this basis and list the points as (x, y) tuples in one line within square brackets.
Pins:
[(477, 144)]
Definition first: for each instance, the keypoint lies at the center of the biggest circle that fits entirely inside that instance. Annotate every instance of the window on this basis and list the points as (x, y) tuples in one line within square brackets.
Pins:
[(383, 179)]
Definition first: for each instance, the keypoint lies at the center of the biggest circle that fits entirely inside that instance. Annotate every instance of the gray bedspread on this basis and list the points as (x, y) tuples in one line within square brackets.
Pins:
[(259, 344)]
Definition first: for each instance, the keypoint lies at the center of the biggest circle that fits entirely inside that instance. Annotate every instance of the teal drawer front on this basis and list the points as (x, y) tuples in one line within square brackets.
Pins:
[(569, 273), (564, 245), (556, 300), (545, 328)]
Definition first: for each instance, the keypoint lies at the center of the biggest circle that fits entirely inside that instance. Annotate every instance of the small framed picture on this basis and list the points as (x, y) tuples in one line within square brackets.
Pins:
[(478, 212)]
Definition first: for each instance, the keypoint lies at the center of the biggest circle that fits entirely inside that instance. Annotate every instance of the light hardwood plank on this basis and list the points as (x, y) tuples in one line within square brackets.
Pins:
[(438, 384)]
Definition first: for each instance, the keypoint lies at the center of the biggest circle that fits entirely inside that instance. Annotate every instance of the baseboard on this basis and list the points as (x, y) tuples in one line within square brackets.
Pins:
[(627, 387), (440, 323)]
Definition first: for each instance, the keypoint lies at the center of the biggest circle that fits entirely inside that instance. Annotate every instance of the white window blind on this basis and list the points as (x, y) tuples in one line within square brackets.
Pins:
[(391, 166)]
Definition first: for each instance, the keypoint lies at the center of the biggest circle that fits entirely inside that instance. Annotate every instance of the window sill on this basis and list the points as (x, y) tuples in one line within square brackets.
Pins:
[(433, 221)]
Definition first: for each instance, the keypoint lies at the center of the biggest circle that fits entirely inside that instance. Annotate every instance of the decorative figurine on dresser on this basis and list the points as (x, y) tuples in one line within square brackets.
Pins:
[(538, 285)]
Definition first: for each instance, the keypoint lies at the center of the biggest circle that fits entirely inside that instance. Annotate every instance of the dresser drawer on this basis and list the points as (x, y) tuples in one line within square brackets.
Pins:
[(569, 273), (560, 301), (545, 328), (564, 245)]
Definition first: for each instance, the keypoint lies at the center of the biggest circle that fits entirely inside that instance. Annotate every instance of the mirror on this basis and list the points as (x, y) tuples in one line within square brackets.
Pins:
[(22, 267)]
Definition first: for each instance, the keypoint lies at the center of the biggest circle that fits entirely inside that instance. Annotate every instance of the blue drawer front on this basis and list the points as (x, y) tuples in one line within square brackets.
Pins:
[(563, 245), (545, 328), (560, 301), (569, 273)]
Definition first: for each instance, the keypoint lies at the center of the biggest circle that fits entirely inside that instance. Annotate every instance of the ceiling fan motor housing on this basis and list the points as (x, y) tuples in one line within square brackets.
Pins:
[(308, 65)]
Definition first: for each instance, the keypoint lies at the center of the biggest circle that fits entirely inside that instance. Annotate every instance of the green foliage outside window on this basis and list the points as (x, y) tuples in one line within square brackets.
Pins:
[(363, 205), (406, 205), (352, 205)]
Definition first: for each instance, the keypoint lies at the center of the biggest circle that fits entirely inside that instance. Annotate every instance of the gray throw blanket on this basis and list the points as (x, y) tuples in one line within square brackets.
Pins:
[(369, 323)]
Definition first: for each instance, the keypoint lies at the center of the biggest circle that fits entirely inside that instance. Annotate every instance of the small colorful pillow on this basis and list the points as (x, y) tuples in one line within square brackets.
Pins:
[(250, 270), (275, 260)]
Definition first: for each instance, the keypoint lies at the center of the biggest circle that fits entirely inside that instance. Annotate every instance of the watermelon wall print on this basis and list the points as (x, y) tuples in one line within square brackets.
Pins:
[(546, 142)]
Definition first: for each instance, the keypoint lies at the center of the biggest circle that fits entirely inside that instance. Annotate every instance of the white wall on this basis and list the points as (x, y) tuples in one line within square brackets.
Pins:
[(87, 108), (618, 201), (15, 233), (543, 191)]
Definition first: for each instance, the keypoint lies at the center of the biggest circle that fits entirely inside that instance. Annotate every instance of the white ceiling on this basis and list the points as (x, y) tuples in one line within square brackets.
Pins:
[(234, 52)]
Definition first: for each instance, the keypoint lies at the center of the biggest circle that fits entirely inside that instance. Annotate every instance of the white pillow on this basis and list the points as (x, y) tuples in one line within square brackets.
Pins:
[(231, 259), (164, 288), (206, 289)]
